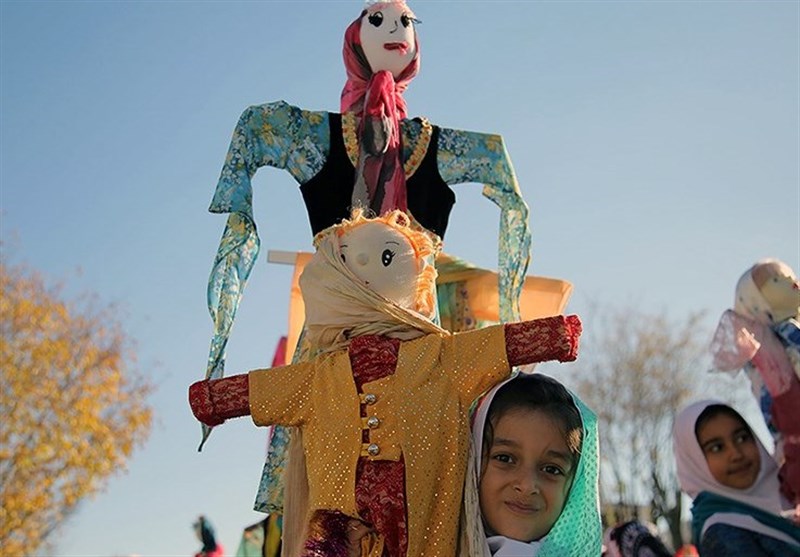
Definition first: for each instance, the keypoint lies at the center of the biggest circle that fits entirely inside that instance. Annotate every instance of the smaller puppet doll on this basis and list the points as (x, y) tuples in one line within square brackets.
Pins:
[(761, 335), (384, 406)]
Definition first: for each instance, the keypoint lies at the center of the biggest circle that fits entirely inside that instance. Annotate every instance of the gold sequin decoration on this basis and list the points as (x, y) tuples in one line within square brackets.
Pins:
[(349, 125)]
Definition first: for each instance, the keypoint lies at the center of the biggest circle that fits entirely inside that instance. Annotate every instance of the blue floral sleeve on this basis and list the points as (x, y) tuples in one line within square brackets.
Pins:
[(274, 134), (482, 158)]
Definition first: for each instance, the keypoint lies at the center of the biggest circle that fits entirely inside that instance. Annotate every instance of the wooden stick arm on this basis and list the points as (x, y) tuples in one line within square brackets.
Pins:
[(215, 400), (540, 340)]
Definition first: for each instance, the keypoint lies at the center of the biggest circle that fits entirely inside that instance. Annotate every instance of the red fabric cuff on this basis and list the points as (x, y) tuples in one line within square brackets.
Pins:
[(540, 340), (214, 401), (202, 406)]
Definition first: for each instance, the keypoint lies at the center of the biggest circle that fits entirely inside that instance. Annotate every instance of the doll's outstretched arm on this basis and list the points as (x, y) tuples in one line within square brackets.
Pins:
[(540, 340), (483, 357), (271, 396), (215, 400)]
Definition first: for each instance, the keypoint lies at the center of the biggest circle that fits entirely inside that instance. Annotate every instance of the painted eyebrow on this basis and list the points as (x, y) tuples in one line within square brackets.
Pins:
[(392, 242)]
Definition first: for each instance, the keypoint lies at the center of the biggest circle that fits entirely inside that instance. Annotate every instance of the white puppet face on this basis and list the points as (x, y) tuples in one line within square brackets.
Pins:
[(780, 288), (388, 37), (384, 260)]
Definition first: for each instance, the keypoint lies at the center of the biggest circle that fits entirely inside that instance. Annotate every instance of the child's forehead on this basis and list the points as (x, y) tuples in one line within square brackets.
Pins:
[(721, 423), (533, 434), (553, 411), (527, 421), (725, 418)]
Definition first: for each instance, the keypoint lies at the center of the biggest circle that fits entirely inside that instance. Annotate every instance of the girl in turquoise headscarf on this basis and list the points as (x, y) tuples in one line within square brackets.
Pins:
[(532, 481)]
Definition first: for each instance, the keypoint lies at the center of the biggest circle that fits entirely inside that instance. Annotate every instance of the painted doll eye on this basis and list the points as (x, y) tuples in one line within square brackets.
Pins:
[(386, 257), (376, 19), (344, 259), (406, 20)]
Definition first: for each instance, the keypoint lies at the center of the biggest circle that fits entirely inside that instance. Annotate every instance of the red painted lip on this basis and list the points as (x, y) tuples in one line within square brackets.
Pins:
[(402, 47)]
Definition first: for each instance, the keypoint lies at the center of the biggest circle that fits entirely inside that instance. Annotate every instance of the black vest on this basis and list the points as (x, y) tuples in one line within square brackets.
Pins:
[(328, 195)]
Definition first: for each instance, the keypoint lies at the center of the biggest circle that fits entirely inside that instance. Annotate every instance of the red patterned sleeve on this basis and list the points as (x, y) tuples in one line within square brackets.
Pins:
[(214, 401), (540, 340)]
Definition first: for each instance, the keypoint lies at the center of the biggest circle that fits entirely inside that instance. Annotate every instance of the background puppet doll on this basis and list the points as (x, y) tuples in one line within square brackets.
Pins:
[(761, 335), (384, 410), (369, 154)]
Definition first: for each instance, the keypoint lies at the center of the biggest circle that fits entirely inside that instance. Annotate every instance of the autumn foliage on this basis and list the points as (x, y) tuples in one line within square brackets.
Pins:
[(72, 411)]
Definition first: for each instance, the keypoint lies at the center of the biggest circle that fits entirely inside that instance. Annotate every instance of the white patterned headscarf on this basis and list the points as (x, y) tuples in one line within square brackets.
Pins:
[(695, 477)]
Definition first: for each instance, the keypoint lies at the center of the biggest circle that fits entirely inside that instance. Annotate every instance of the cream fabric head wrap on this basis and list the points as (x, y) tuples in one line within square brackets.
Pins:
[(340, 307)]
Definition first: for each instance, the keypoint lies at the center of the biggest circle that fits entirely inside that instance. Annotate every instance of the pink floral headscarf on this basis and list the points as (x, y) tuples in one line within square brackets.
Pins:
[(377, 98)]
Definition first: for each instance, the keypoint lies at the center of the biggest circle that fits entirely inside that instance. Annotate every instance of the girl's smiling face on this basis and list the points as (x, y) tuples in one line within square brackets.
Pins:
[(388, 37), (527, 473), (731, 451)]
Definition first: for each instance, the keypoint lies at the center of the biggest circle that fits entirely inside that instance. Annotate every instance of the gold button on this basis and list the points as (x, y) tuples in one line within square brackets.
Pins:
[(373, 449), (370, 398), (373, 422)]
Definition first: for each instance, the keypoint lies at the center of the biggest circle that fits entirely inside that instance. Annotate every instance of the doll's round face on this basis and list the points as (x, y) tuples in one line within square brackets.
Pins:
[(384, 260), (780, 288), (388, 37)]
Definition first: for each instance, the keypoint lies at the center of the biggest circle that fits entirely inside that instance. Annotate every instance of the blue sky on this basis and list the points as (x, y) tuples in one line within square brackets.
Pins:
[(656, 143)]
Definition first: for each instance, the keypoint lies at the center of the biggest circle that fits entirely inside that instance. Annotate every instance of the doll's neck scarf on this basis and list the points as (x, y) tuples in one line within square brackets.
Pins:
[(740, 339), (377, 98), (339, 307), (695, 477)]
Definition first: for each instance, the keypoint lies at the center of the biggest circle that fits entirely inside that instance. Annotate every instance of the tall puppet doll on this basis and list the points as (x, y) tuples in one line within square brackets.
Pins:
[(384, 408), (761, 335), (371, 154)]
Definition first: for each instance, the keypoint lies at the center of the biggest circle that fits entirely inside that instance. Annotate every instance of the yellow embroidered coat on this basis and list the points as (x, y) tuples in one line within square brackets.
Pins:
[(422, 412)]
